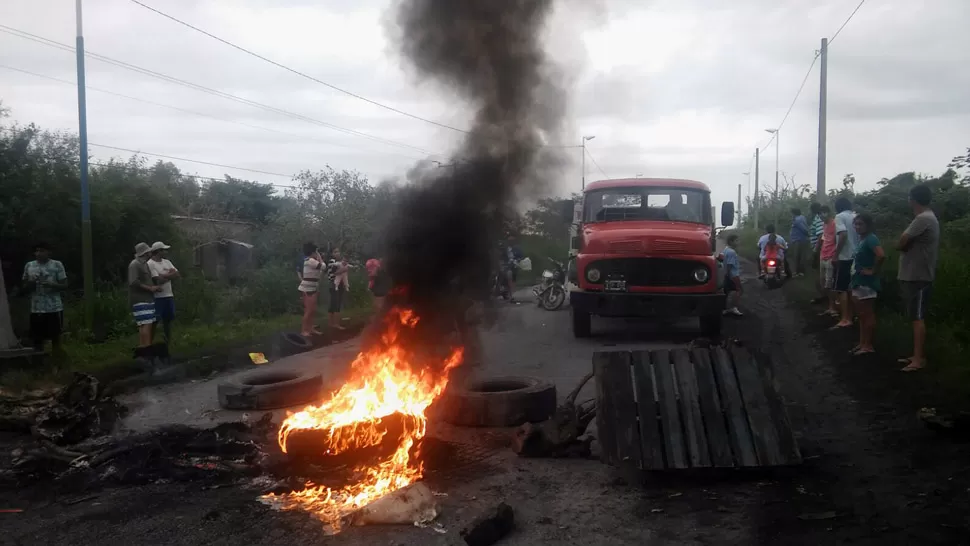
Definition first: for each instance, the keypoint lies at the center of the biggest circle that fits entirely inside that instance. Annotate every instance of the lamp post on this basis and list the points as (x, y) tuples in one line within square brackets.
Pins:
[(777, 134), (583, 146), (748, 174)]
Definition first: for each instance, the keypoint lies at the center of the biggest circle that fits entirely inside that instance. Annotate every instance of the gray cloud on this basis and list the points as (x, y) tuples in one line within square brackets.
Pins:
[(669, 87)]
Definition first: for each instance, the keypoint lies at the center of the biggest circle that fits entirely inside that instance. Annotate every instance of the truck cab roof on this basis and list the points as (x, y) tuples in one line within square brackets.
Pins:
[(647, 182)]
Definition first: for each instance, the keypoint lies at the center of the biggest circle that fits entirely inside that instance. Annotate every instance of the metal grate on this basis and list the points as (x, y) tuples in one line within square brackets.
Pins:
[(447, 462)]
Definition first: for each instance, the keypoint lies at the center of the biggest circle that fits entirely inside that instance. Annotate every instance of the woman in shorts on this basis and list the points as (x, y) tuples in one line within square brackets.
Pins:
[(865, 284)]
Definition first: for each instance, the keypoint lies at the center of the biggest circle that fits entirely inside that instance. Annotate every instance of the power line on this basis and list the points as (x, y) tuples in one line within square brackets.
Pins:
[(200, 162), (171, 79), (297, 72), (851, 15), (794, 100), (591, 158), (195, 113)]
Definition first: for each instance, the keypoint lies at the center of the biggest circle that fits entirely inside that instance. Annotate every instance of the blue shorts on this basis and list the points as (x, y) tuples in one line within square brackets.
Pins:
[(165, 308), (144, 313)]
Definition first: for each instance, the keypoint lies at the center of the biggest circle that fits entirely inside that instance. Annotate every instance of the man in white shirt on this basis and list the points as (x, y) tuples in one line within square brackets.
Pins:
[(163, 272), (846, 241)]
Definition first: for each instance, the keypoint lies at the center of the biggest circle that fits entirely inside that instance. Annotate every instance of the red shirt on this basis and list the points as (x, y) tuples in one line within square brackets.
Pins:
[(828, 240)]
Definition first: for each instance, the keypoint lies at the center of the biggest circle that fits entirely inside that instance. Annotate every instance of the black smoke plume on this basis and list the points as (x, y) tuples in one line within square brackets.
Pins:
[(444, 236)]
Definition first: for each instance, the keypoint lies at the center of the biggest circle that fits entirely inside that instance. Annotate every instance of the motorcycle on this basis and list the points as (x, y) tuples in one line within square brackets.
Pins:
[(772, 272), (550, 293)]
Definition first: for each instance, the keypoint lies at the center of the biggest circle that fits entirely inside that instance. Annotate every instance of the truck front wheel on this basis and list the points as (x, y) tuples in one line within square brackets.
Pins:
[(711, 325), (582, 324)]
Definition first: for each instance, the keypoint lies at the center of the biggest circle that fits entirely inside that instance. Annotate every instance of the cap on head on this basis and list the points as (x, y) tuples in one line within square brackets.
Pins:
[(158, 245), (141, 249)]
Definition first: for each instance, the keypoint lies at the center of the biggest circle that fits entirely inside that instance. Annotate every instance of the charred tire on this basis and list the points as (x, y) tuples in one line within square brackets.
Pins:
[(582, 324), (711, 325), (270, 389), (499, 402), (292, 343)]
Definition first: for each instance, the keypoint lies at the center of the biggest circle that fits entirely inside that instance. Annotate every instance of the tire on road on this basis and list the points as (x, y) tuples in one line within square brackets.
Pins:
[(582, 324), (498, 402), (711, 325), (292, 343), (270, 389)]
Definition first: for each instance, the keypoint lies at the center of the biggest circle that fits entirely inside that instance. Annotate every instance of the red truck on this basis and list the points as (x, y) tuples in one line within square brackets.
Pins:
[(646, 248)]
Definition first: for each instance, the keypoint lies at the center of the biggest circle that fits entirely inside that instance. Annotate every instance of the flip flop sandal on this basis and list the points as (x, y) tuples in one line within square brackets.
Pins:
[(906, 361), (910, 368), (854, 349), (840, 327), (864, 352)]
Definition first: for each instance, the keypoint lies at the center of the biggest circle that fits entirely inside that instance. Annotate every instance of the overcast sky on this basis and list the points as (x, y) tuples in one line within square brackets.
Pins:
[(669, 88)]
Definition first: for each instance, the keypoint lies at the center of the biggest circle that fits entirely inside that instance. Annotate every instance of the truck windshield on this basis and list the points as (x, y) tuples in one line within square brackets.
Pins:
[(647, 203)]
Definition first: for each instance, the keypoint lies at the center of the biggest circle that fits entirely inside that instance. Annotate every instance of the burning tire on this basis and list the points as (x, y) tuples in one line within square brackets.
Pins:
[(270, 389), (498, 402)]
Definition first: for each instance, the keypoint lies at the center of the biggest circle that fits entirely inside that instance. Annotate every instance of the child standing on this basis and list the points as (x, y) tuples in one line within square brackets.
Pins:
[(732, 276), (865, 281)]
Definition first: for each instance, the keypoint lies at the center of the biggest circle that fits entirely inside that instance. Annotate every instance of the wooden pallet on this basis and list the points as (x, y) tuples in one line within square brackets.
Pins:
[(681, 409)]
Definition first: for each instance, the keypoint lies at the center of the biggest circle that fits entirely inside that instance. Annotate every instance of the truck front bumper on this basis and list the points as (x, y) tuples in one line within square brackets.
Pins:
[(627, 304)]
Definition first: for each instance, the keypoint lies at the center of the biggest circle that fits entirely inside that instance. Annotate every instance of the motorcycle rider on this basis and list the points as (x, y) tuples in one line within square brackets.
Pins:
[(771, 246)]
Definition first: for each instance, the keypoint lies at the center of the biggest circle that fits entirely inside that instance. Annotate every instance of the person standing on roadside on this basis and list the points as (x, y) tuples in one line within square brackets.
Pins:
[(919, 246), (338, 275), (162, 273), (45, 279), (378, 281), (310, 288), (799, 240), (827, 262), (141, 294), (732, 275), (865, 281), (846, 241)]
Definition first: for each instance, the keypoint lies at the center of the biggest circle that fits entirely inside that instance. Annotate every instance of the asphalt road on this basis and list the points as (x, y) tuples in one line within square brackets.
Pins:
[(872, 474)]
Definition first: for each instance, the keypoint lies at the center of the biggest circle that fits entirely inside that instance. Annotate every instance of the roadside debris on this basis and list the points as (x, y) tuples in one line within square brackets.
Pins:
[(490, 527), (75, 413), (411, 505), (562, 436), (957, 425)]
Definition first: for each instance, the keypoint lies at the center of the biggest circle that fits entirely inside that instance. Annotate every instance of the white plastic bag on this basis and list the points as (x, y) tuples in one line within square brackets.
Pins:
[(525, 264)]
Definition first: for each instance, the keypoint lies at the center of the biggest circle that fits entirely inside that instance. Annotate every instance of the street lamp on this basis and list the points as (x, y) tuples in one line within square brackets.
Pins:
[(583, 146)]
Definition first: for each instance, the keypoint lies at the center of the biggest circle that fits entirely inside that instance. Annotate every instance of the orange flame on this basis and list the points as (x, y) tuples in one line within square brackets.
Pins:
[(384, 380)]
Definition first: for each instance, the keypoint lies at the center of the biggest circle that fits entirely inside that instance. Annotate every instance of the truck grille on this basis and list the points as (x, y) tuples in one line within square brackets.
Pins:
[(650, 271)]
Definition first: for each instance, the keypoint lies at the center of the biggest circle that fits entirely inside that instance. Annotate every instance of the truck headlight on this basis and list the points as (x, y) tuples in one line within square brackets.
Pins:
[(593, 275), (701, 274)]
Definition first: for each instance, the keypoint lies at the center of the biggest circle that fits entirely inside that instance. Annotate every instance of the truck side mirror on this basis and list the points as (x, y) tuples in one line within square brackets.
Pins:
[(566, 210), (727, 213)]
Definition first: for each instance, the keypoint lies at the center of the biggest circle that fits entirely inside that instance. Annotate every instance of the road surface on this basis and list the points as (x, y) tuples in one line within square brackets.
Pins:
[(872, 474)]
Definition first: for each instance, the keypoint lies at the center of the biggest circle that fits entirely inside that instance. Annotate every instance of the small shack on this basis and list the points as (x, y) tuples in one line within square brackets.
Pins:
[(225, 260)]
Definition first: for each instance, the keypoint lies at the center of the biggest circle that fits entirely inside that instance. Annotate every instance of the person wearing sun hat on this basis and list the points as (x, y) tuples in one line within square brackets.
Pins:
[(141, 294), (162, 274)]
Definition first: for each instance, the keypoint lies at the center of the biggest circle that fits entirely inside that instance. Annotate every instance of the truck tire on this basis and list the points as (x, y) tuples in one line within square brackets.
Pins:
[(270, 389), (711, 325), (498, 402), (582, 324), (292, 343)]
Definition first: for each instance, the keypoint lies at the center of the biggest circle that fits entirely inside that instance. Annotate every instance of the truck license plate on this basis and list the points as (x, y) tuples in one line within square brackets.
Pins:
[(616, 286)]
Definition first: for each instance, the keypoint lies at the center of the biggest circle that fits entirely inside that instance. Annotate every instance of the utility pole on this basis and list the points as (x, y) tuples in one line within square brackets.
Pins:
[(822, 119), (756, 200), (583, 146), (87, 255)]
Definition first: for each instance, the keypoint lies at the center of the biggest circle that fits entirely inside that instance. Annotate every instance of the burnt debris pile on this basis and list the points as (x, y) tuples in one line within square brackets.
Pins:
[(443, 238)]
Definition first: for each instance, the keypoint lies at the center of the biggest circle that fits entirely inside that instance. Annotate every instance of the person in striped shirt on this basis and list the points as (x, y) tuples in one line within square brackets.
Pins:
[(310, 288)]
